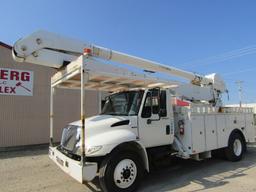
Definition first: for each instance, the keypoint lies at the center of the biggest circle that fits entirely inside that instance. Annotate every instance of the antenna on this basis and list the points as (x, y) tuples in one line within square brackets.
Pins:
[(239, 84)]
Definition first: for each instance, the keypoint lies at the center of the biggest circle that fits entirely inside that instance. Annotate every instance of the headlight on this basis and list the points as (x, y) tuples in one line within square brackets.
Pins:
[(93, 149)]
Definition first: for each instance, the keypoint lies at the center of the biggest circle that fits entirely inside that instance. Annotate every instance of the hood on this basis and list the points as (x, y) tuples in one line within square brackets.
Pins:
[(103, 130), (97, 124), (100, 130)]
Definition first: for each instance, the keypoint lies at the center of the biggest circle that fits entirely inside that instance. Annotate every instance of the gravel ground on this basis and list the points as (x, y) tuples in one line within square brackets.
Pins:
[(31, 171)]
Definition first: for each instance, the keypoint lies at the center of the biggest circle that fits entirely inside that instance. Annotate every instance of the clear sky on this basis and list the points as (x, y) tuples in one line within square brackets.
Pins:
[(202, 36)]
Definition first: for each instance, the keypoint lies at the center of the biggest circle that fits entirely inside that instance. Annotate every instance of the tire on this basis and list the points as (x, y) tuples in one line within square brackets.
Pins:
[(121, 172), (236, 147)]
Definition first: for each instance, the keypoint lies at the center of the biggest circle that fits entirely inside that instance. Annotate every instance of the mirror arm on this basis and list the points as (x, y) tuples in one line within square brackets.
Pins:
[(149, 121)]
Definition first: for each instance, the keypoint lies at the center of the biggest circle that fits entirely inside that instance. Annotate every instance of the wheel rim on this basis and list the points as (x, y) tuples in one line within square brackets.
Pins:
[(125, 173), (237, 147)]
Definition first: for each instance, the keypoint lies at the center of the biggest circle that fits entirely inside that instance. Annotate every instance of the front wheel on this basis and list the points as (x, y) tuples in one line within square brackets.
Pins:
[(121, 172), (236, 147)]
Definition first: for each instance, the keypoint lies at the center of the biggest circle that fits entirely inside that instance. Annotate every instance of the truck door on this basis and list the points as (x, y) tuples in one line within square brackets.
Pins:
[(155, 122)]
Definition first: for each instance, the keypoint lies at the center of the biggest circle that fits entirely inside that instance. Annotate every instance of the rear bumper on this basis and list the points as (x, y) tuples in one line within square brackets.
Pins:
[(74, 168)]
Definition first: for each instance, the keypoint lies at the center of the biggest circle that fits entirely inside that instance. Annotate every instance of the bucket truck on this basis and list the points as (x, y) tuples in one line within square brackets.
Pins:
[(145, 118)]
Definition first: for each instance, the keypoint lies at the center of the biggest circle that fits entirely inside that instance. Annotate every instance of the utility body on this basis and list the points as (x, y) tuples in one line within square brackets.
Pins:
[(144, 119)]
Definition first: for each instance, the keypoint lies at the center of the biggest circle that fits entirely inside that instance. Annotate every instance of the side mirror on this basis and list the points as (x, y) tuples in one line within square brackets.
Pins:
[(162, 113), (147, 108)]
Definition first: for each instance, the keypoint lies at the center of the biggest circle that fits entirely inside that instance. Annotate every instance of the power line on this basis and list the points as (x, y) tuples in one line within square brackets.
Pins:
[(222, 57), (240, 71)]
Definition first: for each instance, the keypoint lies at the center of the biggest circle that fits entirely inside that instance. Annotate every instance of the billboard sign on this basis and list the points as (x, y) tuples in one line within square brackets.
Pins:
[(16, 82)]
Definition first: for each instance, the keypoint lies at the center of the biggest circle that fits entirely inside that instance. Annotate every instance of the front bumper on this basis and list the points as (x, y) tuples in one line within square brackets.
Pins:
[(75, 169)]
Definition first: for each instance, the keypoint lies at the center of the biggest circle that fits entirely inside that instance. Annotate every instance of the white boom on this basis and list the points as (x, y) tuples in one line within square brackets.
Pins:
[(52, 50)]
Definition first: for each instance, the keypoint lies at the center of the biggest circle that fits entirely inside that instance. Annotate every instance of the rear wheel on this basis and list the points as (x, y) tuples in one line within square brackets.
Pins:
[(236, 147), (121, 172)]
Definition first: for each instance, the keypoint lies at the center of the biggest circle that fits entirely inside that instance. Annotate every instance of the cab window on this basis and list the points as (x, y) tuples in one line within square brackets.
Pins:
[(147, 109), (163, 108), (155, 103)]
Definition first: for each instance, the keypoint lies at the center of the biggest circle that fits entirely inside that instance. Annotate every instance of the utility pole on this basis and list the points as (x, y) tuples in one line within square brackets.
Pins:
[(239, 85)]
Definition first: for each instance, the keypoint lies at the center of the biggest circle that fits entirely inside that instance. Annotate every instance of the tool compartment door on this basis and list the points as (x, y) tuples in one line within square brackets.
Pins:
[(210, 132), (222, 131), (198, 133), (249, 127)]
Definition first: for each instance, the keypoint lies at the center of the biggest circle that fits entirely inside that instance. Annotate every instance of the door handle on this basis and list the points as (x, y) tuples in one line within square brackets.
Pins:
[(168, 130)]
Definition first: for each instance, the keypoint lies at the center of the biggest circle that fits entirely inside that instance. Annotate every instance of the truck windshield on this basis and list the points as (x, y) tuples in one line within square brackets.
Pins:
[(124, 103)]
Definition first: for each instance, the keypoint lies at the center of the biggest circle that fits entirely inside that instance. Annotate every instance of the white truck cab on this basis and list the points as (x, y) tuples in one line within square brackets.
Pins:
[(141, 116)]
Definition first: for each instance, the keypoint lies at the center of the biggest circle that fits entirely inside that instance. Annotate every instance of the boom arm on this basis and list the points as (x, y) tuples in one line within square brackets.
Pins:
[(49, 49), (52, 50)]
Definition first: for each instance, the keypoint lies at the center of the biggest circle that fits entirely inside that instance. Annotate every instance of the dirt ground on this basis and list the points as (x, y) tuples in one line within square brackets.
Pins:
[(33, 171)]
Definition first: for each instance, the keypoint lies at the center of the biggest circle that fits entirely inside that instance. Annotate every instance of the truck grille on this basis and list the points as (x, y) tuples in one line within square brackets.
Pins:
[(70, 140)]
